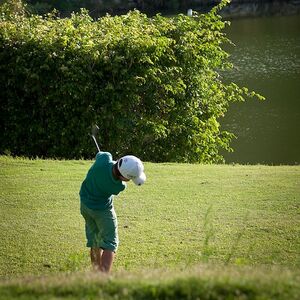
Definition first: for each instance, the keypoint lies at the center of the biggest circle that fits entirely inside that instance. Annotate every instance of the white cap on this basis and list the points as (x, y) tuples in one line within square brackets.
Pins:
[(132, 168)]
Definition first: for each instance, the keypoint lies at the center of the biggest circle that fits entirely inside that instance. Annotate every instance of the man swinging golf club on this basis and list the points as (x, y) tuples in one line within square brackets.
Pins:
[(105, 179)]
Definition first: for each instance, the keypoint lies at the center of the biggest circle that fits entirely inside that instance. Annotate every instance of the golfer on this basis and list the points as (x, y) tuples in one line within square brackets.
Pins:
[(105, 179)]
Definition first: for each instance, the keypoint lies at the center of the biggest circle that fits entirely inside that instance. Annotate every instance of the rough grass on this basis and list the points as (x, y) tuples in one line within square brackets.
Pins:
[(202, 282), (243, 219)]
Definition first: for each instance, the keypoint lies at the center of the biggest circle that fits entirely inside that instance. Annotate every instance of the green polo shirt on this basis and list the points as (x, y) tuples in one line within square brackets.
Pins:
[(99, 186)]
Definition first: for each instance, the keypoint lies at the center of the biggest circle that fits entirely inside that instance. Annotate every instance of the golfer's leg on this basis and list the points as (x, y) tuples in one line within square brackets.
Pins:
[(92, 235), (106, 262), (96, 254)]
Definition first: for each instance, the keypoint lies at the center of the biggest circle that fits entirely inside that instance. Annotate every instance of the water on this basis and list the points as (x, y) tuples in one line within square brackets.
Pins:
[(267, 60)]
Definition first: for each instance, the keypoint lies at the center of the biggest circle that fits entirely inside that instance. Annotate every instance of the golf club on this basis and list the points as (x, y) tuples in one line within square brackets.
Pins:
[(95, 130)]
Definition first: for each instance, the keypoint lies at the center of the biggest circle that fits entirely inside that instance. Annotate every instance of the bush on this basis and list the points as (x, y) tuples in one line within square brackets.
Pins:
[(151, 84)]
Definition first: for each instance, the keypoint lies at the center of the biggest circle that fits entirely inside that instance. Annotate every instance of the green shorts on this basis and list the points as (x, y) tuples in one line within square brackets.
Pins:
[(101, 228)]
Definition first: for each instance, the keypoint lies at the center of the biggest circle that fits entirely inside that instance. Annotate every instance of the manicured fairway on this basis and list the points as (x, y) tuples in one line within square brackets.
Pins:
[(184, 216)]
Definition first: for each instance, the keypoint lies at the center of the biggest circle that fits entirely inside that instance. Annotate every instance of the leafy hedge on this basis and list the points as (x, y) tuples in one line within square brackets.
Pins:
[(151, 84)]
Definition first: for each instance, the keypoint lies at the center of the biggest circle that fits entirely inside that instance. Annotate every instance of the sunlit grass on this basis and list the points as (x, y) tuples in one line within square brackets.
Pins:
[(184, 216)]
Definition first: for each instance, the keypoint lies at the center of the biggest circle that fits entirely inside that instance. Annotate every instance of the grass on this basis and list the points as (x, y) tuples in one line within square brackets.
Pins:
[(205, 282), (238, 221)]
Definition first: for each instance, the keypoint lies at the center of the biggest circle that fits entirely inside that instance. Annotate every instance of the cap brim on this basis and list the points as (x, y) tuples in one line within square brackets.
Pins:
[(140, 179)]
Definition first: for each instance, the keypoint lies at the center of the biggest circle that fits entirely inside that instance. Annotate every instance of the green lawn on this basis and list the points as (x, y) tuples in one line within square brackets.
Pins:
[(226, 216)]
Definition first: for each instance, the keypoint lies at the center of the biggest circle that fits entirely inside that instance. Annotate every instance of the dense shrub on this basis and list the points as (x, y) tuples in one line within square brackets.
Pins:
[(151, 84)]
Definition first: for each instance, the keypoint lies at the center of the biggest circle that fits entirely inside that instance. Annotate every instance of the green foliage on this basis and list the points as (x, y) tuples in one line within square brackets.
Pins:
[(151, 84), (11, 9)]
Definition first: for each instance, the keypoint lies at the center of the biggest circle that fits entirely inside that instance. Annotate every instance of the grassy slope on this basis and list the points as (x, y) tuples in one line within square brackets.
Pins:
[(205, 282), (185, 215)]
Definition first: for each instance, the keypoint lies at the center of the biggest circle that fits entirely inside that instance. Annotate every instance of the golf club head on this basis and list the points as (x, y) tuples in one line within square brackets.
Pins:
[(95, 130)]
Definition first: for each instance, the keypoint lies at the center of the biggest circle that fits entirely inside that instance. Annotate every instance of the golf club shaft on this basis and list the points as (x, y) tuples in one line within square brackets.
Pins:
[(94, 138)]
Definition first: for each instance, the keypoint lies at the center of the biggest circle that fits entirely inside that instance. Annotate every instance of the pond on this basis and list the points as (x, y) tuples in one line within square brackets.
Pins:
[(267, 60)]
